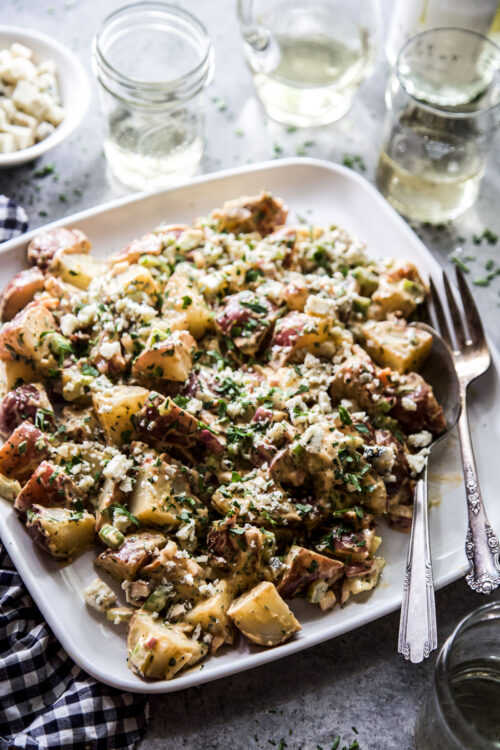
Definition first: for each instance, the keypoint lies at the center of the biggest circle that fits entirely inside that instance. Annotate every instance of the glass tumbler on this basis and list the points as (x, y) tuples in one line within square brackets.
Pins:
[(152, 61), (443, 103), (462, 709), (309, 57)]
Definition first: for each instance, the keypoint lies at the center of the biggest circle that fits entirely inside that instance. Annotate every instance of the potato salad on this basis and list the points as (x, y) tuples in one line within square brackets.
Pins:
[(227, 409)]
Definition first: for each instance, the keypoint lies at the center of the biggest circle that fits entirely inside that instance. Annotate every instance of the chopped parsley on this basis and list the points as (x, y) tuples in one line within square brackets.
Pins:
[(125, 511), (344, 415)]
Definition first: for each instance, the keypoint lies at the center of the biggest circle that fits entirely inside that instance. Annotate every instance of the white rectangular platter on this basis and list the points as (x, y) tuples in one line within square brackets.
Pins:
[(324, 194)]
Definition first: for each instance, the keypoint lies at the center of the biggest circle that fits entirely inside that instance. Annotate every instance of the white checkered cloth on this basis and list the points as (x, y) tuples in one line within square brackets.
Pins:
[(46, 701), (13, 219)]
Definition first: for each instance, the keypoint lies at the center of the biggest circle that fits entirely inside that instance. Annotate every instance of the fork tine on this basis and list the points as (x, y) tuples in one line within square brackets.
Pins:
[(456, 317), (424, 314), (474, 324), (442, 324)]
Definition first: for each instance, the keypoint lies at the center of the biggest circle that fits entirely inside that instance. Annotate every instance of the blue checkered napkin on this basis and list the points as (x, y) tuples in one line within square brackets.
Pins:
[(46, 701), (13, 219)]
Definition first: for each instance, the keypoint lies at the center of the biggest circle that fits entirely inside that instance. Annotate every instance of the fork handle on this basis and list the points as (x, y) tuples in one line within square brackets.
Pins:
[(417, 626), (481, 543)]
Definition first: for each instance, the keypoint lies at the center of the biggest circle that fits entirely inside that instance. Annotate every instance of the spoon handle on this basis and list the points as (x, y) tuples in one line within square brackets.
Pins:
[(417, 626)]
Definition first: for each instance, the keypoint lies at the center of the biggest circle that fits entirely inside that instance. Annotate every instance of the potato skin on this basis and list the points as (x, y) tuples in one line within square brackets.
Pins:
[(305, 566), (47, 486), (60, 531), (23, 451), (169, 359), (261, 213), (23, 403), (44, 249), (136, 551), (19, 291), (24, 335)]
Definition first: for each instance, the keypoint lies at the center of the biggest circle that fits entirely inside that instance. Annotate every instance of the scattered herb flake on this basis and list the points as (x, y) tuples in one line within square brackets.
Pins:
[(354, 161), (460, 264), (44, 171)]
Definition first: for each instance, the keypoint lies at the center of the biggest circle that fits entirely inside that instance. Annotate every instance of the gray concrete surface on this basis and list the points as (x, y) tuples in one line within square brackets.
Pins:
[(357, 680)]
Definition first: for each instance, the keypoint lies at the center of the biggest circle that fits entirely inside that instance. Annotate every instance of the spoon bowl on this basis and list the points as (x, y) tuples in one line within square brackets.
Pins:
[(439, 371)]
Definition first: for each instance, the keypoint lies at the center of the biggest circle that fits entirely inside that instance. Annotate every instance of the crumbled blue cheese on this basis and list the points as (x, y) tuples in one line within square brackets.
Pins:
[(420, 439), (69, 324), (417, 461), (87, 314), (320, 306), (117, 468), (109, 349), (212, 283), (194, 405), (408, 404), (98, 595)]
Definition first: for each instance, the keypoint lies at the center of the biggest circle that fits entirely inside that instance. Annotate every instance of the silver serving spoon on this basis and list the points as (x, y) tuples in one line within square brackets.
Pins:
[(417, 626)]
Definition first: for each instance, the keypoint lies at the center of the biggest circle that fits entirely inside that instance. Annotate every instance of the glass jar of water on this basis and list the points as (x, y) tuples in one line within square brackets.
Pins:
[(309, 57), (153, 62), (461, 711), (443, 103)]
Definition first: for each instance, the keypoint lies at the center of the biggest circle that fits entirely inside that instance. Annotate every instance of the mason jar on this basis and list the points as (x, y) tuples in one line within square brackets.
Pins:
[(461, 710), (153, 62)]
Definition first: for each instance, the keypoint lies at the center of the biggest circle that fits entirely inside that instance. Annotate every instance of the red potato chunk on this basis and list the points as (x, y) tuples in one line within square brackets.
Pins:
[(261, 213), (400, 487), (240, 548), (357, 379), (416, 407), (350, 538), (162, 421), (303, 567), (151, 243), (22, 336), (48, 486), (170, 358), (136, 551), (284, 470), (44, 249), (359, 568), (26, 402), (148, 244), (62, 532), (23, 451), (247, 319), (19, 291), (298, 331)]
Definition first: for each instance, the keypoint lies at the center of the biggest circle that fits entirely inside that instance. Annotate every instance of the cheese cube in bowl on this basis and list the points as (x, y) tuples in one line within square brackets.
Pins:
[(44, 94)]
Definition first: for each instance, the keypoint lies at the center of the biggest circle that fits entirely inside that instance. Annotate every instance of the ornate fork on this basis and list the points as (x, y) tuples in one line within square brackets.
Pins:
[(472, 358)]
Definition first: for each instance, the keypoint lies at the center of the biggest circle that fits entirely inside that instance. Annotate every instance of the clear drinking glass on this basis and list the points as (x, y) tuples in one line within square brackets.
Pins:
[(443, 103), (462, 709), (153, 61), (309, 57)]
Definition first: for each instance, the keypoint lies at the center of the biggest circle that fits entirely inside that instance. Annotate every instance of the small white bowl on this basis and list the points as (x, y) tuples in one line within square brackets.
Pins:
[(73, 84)]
